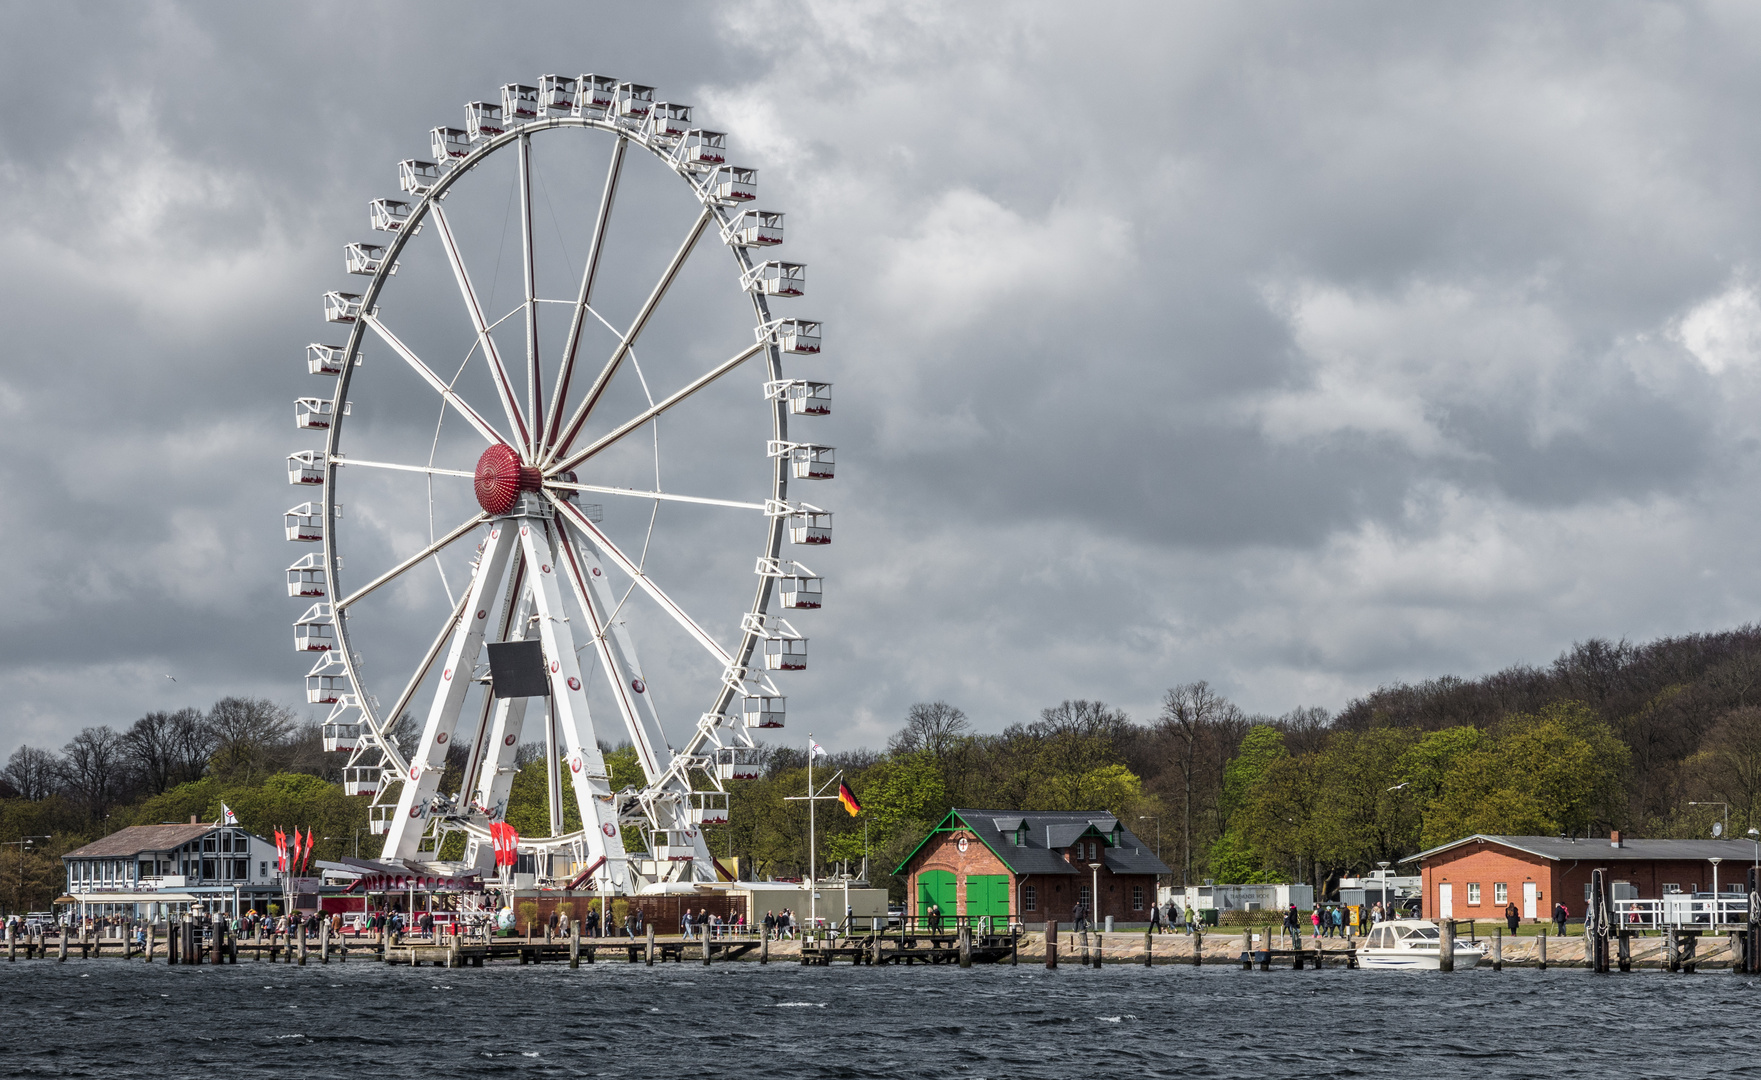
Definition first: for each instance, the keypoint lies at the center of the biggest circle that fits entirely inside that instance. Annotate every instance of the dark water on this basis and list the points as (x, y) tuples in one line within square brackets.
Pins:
[(365, 1021)]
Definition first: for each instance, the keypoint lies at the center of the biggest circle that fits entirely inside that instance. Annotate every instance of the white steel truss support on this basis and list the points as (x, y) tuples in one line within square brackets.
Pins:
[(568, 697), (422, 776)]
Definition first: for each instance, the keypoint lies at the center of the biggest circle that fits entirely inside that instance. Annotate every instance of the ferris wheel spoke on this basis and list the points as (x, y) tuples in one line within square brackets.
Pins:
[(594, 392), (664, 496), (471, 416), (588, 274), (598, 542), (575, 459), (389, 720), (413, 561), (340, 459), (503, 388), (534, 395)]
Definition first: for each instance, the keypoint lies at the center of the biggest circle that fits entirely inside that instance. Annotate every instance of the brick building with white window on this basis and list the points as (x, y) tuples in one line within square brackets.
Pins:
[(150, 871), (1030, 866), (1476, 876)]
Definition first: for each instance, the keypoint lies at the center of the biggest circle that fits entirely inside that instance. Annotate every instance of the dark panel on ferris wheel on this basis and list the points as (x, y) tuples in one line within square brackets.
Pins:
[(516, 669)]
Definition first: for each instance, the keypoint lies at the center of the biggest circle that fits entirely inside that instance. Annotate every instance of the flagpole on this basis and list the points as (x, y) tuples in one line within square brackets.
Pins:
[(812, 849)]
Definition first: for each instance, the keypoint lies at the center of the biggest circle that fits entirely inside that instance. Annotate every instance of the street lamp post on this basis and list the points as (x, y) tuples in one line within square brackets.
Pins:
[(1094, 903), (1725, 830), (1715, 912)]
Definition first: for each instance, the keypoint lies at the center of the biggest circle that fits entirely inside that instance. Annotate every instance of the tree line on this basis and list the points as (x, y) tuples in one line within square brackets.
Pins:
[(1609, 735)]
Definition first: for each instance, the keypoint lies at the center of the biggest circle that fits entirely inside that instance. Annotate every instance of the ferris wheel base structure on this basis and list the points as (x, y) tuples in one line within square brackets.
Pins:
[(505, 669)]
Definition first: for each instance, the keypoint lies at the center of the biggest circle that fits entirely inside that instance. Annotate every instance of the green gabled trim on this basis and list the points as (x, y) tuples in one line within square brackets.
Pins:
[(946, 827)]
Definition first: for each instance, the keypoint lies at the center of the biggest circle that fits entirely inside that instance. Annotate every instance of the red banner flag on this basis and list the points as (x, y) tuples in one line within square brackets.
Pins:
[(280, 851), (309, 846), (293, 865)]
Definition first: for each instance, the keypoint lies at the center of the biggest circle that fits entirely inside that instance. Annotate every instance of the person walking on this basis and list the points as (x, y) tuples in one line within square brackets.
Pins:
[(1315, 921), (1293, 926), (1560, 917), (1511, 916), (685, 924), (1155, 918)]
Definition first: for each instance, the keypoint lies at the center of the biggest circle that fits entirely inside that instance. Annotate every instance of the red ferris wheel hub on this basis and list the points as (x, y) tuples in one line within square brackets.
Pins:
[(501, 477)]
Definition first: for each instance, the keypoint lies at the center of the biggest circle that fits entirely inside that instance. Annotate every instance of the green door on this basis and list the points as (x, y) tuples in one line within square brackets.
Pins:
[(937, 887), (987, 897)]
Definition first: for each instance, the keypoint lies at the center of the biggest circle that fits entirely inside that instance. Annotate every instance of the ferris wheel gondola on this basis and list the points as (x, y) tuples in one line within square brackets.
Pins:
[(546, 602)]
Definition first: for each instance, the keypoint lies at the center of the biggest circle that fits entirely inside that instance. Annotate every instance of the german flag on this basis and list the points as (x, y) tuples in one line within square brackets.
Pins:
[(848, 798)]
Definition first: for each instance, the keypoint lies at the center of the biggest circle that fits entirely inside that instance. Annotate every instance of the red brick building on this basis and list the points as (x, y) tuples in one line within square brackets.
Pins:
[(1474, 877), (1031, 866)]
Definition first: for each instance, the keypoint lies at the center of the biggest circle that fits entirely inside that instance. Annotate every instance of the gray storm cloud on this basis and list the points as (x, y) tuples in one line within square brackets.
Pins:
[(1298, 348)]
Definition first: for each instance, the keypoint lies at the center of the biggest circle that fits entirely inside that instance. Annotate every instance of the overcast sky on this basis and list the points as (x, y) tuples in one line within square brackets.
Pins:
[(1299, 348)]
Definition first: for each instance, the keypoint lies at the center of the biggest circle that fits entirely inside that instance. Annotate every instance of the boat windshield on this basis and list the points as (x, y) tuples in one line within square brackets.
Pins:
[(1429, 933)]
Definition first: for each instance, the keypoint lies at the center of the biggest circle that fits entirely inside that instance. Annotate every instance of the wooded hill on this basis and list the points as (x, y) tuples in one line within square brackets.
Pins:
[(1609, 735)]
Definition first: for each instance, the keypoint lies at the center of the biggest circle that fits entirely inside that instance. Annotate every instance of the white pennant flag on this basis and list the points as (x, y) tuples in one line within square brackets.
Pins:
[(818, 750), (227, 817)]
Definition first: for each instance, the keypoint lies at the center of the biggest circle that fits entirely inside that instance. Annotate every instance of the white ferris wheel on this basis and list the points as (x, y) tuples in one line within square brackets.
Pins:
[(474, 405)]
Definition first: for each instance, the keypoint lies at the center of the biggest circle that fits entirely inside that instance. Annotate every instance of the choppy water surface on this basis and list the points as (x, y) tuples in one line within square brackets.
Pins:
[(110, 1019)]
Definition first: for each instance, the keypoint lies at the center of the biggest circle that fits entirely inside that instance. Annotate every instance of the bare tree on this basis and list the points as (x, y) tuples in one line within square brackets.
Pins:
[(33, 773), (935, 726), (1189, 712), (250, 737), (94, 769), (166, 749)]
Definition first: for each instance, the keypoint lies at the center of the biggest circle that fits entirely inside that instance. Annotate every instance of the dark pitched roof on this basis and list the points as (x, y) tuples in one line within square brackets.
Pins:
[(1594, 849), (1047, 832), (138, 838)]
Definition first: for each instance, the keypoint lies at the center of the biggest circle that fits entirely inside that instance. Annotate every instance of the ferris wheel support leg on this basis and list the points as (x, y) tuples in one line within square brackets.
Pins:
[(633, 695), (484, 746), (422, 777), (496, 779), (568, 696), (629, 688)]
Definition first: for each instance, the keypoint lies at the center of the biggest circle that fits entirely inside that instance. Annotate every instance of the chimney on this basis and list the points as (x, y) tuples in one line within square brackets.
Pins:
[(192, 819), (1614, 839)]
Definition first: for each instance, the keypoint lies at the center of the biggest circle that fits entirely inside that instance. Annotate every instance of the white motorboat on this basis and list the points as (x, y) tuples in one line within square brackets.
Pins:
[(1412, 944)]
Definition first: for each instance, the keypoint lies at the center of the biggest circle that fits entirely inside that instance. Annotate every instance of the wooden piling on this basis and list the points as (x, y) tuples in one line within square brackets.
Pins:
[(1100, 944), (1672, 960), (1051, 944), (1446, 946), (324, 942), (574, 943), (1149, 948), (1266, 942), (966, 946), (61, 949), (11, 945), (219, 946), (706, 948), (1626, 950), (1198, 947), (763, 945), (1498, 948), (302, 943), (649, 956), (1543, 950)]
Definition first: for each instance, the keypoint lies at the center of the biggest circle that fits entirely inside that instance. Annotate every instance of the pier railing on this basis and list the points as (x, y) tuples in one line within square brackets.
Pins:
[(1682, 909)]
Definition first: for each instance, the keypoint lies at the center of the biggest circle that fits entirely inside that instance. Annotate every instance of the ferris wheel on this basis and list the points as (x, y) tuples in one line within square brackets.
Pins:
[(475, 403)]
